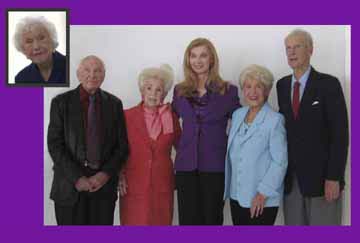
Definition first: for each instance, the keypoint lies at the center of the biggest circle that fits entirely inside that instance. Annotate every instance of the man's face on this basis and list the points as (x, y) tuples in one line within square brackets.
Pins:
[(91, 74), (298, 52)]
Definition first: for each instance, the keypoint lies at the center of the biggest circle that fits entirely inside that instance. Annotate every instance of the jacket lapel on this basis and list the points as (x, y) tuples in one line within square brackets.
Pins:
[(140, 124), (236, 124), (288, 96), (309, 91), (106, 116), (211, 106), (259, 119), (77, 114)]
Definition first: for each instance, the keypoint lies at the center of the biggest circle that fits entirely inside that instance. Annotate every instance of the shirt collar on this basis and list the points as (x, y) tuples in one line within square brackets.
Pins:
[(84, 95), (303, 79)]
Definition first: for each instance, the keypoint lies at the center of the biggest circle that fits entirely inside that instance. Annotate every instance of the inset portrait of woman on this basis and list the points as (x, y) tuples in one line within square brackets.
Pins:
[(37, 48)]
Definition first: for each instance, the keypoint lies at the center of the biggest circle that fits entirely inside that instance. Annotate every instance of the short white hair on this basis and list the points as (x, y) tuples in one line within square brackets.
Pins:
[(27, 24), (303, 33), (259, 73), (89, 57), (164, 73)]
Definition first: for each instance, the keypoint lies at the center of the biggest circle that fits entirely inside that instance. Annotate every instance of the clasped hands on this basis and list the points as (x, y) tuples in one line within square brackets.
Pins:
[(92, 183)]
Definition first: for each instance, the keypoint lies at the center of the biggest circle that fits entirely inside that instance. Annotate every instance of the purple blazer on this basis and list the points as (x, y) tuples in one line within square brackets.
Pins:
[(202, 145)]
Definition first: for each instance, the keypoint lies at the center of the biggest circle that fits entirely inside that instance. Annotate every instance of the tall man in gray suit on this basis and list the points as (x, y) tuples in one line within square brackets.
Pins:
[(317, 131)]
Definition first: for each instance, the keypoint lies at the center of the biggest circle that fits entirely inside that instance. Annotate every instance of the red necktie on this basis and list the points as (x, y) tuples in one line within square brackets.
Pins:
[(296, 99)]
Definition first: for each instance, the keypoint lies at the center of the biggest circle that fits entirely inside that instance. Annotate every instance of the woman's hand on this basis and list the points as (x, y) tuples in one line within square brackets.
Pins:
[(122, 184), (257, 205)]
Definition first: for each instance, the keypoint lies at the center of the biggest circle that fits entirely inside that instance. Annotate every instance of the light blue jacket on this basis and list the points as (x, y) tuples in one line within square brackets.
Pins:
[(262, 158)]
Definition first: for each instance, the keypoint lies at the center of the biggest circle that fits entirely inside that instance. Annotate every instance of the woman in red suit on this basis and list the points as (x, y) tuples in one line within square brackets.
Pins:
[(146, 183)]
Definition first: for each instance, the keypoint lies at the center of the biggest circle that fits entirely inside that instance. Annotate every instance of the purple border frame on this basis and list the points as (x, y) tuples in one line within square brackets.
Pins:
[(21, 204)]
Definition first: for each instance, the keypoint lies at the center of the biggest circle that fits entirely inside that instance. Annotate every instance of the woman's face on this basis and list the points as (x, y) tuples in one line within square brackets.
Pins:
[(153, 92), (37, 45), (200, 60), (255, 93)]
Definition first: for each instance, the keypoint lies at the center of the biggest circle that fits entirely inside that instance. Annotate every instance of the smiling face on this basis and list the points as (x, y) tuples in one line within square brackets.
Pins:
[(37, 44), (200, 59), (255, 93), (153, 92), (298, 52), (91, 74)]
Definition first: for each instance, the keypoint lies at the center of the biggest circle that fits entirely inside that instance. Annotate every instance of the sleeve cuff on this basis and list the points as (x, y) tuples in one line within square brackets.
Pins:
[(267, 191)]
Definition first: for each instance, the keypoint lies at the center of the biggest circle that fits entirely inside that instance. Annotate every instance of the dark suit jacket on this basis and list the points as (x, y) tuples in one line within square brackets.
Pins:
[(67, 146), (318, 139)]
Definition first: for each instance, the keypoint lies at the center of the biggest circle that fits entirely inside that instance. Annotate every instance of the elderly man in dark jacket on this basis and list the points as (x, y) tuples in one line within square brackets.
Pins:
[(88, 144), (315, 112)]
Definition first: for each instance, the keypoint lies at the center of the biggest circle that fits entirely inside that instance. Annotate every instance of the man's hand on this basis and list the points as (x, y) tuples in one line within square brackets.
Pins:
[(98, 180), (82, 184), (257, 205), (332, 190)]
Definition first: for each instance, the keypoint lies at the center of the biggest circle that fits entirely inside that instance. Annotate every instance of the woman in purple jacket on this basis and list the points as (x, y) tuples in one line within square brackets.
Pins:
[(204, 102)]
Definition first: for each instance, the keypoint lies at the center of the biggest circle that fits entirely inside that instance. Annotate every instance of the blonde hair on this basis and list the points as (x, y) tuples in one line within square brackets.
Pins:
[(164, 73), (189, 85), (259, 73)]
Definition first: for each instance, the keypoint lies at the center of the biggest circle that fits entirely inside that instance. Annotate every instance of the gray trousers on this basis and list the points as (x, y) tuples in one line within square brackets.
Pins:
[(299, 210)]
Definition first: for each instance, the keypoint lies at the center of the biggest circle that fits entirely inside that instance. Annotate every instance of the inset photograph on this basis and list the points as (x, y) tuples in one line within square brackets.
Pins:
[(37, 47)]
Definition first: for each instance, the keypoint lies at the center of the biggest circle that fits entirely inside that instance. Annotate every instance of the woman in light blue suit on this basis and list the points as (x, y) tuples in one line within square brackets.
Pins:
[(256, 159)]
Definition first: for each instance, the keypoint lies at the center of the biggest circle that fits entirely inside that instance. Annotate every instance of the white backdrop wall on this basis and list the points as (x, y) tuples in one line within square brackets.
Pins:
[(126, 50)]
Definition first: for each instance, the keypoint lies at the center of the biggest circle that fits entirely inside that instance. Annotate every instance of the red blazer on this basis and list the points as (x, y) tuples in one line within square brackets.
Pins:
[(149, 173)]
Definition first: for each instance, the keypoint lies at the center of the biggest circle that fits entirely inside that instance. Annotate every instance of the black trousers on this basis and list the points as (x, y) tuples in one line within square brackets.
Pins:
[(200, 197), (89, 210), (241, 216)]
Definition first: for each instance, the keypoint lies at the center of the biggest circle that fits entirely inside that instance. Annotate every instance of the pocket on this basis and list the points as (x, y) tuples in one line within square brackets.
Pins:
[(315, 105), (315, 110)]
